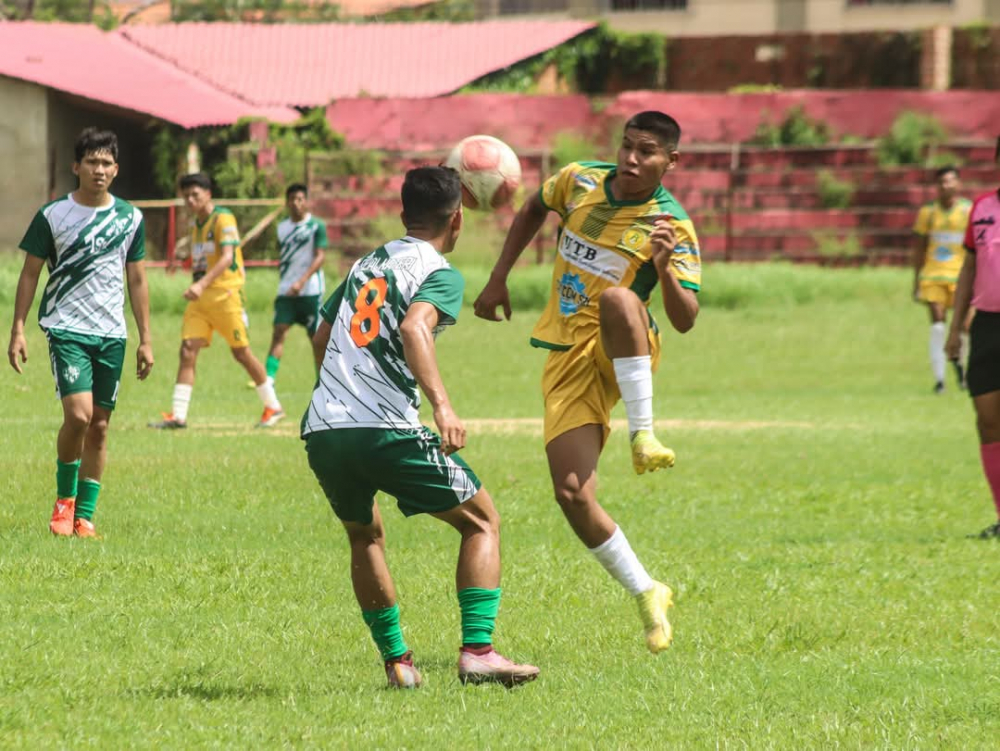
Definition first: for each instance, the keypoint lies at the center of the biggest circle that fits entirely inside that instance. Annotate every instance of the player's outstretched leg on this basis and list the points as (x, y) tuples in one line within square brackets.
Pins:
[(625, 339), (477, 579)]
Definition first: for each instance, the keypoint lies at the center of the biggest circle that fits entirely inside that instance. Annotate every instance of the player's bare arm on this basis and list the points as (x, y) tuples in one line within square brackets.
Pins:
[(319, 257), (320, 340), (528, 220), (27, 283), (138, 294), (417, 331), (963, 299), (225, 261), (680, 303), (917, 258)]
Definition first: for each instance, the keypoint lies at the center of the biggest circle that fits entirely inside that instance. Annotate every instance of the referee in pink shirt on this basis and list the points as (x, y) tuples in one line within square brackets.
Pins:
[(979, 286)]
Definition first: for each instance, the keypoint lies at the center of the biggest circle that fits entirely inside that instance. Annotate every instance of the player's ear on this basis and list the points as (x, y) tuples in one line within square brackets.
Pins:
[(457, 219), (673, 157)]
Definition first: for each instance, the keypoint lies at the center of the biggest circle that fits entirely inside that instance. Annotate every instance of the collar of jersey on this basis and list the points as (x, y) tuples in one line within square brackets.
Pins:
[(615, 202), (208, 218)]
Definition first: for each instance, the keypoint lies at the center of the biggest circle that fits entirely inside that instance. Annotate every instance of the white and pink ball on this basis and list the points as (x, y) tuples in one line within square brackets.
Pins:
[(489, 170)]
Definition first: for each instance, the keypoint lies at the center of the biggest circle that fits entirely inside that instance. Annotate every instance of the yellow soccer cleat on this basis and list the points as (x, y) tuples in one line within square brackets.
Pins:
[(653, 605), (648, 454)]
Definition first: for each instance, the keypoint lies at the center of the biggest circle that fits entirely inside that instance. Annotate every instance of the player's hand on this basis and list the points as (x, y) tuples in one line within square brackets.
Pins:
[(494, 294), (143, 360), (194, 291), (17, 350), (450, 428), (953, 347), (662, 241)]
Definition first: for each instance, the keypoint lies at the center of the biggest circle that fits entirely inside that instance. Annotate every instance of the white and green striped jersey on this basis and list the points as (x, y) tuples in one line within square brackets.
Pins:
[(86, 250), (364, 381), (298, 242)]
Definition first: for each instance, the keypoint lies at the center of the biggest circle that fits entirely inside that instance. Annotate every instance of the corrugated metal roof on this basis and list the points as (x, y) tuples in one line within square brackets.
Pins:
[(312, 64), (85, 61)]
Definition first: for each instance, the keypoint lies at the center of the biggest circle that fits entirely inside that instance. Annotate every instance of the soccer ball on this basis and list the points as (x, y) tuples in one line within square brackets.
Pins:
[(489, 170)]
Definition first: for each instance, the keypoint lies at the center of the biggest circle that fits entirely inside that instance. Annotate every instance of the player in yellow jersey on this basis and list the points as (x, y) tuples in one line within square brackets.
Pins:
[(215, 303), (937, 260), (620, 234)]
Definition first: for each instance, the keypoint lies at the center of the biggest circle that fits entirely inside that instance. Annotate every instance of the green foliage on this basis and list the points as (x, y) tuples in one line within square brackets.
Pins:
[(70, 11), (909, 138), (261, 11), (568, 146), (834, 193), (442, 10), (756, 88), (796, 129), (830, 245), (590, 63)]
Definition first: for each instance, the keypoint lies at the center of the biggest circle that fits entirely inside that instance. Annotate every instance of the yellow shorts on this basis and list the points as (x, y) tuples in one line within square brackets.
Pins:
[(579, 386), (942, 293), (218, 309)]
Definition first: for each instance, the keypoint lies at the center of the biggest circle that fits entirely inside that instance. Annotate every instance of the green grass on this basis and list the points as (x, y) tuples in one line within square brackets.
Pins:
[(813, 530)]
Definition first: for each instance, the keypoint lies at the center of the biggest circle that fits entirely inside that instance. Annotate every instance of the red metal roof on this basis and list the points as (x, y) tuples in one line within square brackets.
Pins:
[(85, 61), (312, 64)]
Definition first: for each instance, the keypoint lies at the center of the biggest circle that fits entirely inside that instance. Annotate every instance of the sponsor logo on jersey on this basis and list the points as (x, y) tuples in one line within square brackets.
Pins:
[(595, 260), (572, 294)]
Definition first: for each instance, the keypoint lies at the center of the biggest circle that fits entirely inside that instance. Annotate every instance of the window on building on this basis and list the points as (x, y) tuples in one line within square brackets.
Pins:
[(649, 4)]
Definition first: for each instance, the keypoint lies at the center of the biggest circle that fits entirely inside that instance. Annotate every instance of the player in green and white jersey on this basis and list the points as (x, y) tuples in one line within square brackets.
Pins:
[(302, 240), (375, 347), (87, 239)]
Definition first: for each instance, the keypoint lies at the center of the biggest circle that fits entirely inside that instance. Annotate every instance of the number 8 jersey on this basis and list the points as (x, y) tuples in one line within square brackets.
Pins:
[(364, 381)]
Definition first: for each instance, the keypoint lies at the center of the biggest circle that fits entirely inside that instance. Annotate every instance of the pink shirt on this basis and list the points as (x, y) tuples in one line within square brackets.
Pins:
[(982, 237)]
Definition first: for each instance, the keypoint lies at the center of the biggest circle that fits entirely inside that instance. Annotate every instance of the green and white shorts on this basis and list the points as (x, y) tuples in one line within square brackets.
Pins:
[(301, 310), (83, 362), (352, 464)]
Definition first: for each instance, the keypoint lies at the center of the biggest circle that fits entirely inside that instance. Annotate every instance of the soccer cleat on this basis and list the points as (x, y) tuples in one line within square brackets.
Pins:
[(401, 673), (653, 605), (62, 517), (169, 422), (939, 387), (648, 454), (492, 667), (992, 532), (84, 528), (270, 417)]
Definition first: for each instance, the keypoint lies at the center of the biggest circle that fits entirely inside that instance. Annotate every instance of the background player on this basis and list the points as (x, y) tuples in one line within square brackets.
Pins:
[(215, 303), (621, 233), (87, 239), (302, 239), (363, 433), (937, 260)]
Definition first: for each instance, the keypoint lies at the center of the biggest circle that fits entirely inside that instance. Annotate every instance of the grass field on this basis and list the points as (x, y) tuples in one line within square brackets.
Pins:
[(814, 530)]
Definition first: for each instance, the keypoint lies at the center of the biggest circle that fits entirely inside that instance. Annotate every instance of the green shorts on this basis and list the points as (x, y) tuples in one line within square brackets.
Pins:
[(83, 362), (301, 310), (352, 464)]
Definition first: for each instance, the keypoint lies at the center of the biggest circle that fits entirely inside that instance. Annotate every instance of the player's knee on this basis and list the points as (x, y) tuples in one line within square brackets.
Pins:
[(77, 419), (988, 425), (617, 301), (189, 351), (570, 497), (364, 535), (241, 354)]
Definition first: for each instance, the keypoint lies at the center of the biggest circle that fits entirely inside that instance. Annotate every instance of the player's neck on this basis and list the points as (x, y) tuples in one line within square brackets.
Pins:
[(438, 240), (618, 195), (92, 199), (946, 204), (206, 212), (298, 219)]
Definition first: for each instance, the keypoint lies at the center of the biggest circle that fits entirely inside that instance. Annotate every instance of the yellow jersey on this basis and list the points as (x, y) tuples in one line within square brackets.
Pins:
[(208, 238), (604, 243), (944, 231)]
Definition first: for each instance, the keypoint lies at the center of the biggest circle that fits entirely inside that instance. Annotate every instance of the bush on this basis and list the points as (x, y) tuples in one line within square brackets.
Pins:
[(797, 129), (834, 193), (911, 136)]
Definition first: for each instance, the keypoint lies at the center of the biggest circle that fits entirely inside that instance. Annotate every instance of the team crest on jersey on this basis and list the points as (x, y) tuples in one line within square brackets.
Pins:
[(633, 239), (71, 373), (572, 294)]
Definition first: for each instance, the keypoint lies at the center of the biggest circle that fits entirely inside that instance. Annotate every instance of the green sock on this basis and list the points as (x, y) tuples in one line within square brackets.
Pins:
[(479, 612), (66, 474), (272, 365), (86, 501), (388, 636)]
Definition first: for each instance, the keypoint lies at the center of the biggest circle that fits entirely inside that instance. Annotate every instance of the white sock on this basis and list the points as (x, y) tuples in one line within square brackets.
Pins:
[(635, 381), (182, 399), (936, 349), (618, 559), (963, 352), (266, 393)]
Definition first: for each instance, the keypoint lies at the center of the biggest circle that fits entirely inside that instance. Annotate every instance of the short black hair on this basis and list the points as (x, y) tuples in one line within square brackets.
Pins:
[(430, 196), (296, 188), (942, 171), (663, 126), (92, 140), (197, 180)]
